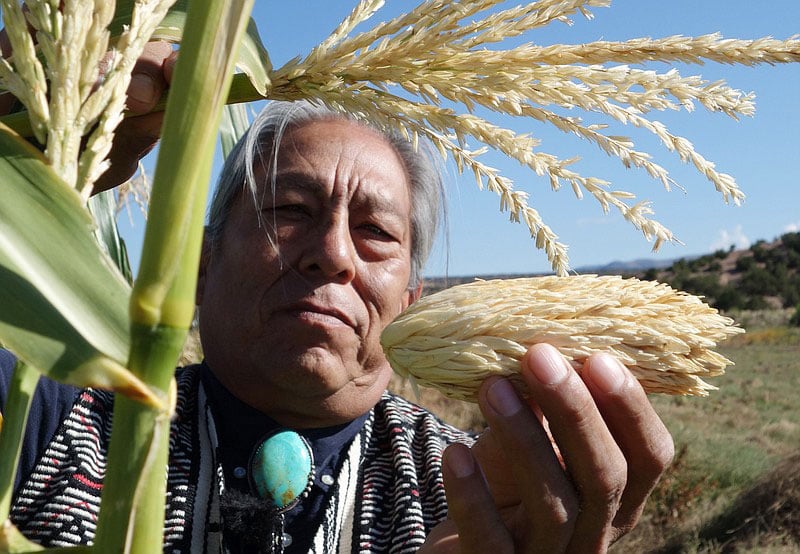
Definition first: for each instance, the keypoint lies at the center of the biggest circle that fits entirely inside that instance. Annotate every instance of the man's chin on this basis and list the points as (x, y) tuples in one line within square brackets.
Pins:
[(310, 373)]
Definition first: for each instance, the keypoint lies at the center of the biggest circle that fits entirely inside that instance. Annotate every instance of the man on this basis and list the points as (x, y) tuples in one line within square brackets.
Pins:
[(300, 274)]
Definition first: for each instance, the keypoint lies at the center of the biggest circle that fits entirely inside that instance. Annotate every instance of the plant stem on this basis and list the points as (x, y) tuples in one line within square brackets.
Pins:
[(198, 92), (132, 508), (162, 300)]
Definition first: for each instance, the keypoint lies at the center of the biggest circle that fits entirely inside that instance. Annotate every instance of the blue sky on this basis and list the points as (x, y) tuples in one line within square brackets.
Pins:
[(761, 152)]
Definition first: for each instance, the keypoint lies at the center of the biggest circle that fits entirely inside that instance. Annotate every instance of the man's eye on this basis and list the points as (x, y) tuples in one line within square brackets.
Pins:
[(376, 231), (291, 209)]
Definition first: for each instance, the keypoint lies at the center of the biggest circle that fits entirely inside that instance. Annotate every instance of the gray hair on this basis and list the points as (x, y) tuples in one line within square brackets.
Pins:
[(261, 142)]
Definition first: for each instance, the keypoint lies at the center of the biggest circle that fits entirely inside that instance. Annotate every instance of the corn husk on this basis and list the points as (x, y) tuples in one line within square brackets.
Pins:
[(456, 338)]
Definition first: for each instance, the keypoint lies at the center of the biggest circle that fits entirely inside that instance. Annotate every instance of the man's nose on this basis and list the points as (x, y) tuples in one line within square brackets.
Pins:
[(332, 252)]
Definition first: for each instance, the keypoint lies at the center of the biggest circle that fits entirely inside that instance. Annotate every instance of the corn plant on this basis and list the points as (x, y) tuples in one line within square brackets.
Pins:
[(70, 314)]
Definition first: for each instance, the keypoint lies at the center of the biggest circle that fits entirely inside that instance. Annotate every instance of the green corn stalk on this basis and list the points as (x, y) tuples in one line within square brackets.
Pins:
[(162, 300)]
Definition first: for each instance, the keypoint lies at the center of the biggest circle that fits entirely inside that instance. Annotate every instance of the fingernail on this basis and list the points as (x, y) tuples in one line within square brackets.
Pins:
[(547, 365), (459, 460), (606, 372), (503, 398), (142, 89)]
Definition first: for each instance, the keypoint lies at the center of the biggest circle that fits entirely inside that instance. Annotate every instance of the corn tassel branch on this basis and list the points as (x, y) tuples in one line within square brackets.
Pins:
[(433, 55), (437, 53), (76, 123)]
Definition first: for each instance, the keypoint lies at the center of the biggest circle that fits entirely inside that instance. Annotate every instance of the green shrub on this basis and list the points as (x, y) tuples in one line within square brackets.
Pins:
[(651, 274), (795, 319), (744, 263), (729, 298), (757, 281), (791, 241)]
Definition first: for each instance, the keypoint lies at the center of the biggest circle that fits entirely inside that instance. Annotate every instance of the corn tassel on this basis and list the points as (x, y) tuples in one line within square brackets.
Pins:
[(456, 338)]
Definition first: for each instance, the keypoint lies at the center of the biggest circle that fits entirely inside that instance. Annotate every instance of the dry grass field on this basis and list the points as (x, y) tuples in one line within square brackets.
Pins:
[(735, 483)]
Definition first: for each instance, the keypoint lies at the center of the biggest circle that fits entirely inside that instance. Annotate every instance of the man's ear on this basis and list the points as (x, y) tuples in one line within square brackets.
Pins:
[(412, 295), (205, 259)]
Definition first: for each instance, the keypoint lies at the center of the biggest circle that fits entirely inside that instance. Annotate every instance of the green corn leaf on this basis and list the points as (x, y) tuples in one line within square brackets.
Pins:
[(234, 124), (253, 58), (103, 208), (18, 403), (12, 541), (64, 304)]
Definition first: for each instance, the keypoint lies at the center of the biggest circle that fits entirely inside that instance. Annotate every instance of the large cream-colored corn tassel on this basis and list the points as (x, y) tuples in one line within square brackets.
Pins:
[(454, 339)]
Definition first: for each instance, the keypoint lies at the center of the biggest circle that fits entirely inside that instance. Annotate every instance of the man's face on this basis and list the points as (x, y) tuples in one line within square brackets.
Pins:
[(295, 331)]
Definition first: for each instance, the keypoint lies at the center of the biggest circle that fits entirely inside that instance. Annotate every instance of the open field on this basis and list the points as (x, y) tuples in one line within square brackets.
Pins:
[(735, 482)]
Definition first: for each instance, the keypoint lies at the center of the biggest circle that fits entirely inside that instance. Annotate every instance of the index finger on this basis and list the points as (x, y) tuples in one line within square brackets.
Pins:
[(594, 461), (641, 435)]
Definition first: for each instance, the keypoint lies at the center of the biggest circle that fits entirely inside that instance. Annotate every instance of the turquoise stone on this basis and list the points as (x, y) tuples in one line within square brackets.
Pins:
[(281, 468)]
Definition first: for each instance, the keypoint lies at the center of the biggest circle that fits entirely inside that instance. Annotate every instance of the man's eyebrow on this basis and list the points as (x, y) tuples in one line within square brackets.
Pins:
[(294, 179)]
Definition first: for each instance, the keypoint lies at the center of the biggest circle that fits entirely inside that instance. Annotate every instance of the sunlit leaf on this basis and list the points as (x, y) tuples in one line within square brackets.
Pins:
[(12, 541), (233, 126), (103, 207), (63, 304)]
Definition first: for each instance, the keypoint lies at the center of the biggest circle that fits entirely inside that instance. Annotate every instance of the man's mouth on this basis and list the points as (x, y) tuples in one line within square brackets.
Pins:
[(314, 312)]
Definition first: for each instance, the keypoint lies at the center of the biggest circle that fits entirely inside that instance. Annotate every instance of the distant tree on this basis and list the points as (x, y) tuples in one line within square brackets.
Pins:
[(775, 258), (680, 266), (759, 252), (791, 241), (729, 298), (651, 274), (755, 303), (791, 292), (721, 254), (744, 263), (703, 285), (757, 281), (793, 259)]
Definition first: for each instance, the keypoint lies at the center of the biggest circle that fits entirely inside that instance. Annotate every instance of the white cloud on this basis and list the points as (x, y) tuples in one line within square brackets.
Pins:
[(725, 239), (792, 227)]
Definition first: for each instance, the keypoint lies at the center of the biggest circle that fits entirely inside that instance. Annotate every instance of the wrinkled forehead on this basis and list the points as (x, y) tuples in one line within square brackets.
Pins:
[(333, 135), (337, 151)]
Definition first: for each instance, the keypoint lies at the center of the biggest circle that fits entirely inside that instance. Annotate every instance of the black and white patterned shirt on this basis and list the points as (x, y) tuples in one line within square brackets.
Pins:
[(380, 483)]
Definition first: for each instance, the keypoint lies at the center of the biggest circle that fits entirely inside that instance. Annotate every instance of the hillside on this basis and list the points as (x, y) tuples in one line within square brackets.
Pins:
[(764, 276)]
